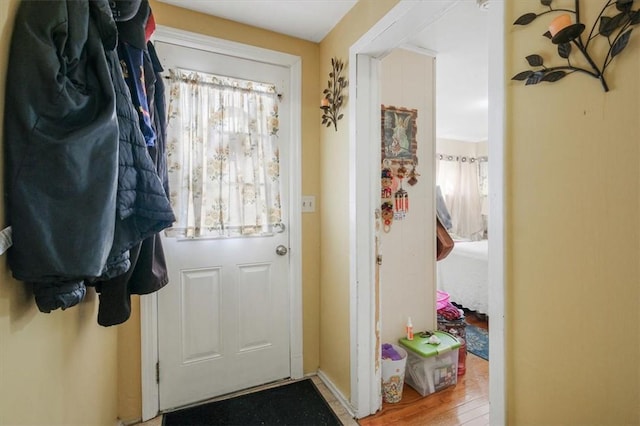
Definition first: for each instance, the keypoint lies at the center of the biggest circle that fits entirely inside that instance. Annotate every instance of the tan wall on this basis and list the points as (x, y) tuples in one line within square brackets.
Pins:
[(334, 209), (407, 284), (456, 147), (129, 366), (58, 368), (482, 149), (573, 246)]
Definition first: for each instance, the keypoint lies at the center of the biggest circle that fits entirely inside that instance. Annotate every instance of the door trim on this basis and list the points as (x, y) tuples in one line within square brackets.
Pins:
[(393, 30), (148, 303)]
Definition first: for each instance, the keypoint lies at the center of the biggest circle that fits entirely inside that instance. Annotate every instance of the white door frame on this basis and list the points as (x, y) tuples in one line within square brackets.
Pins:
[(149, 303), (404, 20)]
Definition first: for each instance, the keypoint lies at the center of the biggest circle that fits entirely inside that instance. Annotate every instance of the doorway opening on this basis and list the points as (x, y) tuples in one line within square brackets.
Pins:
[(398, 26)]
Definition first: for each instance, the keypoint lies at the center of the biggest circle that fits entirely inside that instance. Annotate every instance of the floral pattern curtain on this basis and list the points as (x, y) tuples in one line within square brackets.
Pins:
[(222, 153)]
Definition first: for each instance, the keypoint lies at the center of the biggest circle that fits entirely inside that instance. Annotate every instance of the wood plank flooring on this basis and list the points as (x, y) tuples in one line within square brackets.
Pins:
[(466, 403)]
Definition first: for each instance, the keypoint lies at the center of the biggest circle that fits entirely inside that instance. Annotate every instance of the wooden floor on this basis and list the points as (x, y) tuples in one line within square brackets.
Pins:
[(466, 403)]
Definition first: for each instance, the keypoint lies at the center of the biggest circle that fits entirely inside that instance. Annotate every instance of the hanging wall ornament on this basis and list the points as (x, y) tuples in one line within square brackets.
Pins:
[(413, 176), (386, 183), (387, 215), (401, 172), (401, 204), (401, 197), (402, 201), (333, 100)]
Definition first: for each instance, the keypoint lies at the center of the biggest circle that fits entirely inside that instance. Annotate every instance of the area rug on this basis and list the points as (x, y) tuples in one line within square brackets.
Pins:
[(298, 403), (477, 341)]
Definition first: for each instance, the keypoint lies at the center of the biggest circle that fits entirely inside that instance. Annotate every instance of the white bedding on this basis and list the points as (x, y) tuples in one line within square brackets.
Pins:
[(464, 275)]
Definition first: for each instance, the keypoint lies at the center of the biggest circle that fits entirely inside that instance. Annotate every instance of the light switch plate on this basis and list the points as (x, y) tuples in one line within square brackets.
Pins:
[(308, 203)]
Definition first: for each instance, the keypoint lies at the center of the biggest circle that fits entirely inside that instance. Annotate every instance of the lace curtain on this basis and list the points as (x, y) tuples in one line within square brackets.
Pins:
[(458, 178), (222, 153)]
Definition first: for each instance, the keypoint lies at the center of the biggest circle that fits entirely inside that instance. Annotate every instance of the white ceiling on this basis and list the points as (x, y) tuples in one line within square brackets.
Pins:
[(459, 39), (306, 19)]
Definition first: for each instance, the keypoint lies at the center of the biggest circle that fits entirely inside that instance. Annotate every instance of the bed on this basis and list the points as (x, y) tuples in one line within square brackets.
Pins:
[(464, 275)]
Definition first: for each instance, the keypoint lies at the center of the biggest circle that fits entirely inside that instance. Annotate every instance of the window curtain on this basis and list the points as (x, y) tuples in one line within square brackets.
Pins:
[(458, 181), (223, 159)]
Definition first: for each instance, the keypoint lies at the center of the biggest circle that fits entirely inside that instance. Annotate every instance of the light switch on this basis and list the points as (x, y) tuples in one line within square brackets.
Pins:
[(308, 203)]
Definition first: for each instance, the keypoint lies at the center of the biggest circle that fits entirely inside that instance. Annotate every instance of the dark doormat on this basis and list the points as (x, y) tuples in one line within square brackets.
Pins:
[(478, 341), (299, 403)]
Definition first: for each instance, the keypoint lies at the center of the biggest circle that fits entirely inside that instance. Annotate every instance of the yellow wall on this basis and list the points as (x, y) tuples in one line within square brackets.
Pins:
[(573, 248), (129, 366), (334, 209), (573, 258)]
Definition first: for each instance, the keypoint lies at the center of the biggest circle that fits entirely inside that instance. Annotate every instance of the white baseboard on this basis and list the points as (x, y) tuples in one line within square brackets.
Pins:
[(334, 390)]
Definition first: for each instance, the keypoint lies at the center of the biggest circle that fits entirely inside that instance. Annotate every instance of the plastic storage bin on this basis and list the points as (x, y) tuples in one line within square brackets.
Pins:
[(431, 367)]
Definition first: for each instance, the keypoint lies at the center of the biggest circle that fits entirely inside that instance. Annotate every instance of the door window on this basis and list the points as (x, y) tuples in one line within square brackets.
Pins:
[(222, 156)]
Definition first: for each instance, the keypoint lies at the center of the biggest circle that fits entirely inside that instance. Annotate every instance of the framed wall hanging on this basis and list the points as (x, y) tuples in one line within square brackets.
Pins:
[(399, 160), (399, 128)]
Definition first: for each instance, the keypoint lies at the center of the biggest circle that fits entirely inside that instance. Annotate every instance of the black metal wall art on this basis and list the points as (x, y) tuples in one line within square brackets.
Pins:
[(333, 99), (614, 23)]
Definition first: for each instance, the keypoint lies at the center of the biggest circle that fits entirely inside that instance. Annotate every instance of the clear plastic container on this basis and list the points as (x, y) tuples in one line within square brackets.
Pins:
[(393, 376)]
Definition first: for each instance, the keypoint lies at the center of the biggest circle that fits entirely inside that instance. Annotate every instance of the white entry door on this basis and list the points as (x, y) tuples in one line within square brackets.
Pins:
[(223, 319)]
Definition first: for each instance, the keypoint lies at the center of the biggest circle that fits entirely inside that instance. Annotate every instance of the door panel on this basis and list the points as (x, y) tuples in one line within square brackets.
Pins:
[(223, 319), (200, 305), (254, 317)]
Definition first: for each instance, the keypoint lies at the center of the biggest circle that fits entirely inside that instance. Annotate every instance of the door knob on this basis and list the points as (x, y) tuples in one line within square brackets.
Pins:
[(281, 250)]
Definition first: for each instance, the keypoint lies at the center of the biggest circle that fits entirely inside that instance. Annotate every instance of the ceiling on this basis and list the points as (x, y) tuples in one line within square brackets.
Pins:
[(306, 19), (458, 39)]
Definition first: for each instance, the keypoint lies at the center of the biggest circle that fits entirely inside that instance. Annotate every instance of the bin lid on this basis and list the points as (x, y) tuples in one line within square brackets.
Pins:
[(421, 346)]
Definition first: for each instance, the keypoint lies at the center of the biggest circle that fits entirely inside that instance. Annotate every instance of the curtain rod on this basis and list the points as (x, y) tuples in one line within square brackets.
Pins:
[(224, 86), (463, 158)]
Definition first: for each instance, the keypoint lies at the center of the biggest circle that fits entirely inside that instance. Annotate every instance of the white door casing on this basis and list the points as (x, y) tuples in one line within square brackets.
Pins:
[(207, 276), (393, 30)]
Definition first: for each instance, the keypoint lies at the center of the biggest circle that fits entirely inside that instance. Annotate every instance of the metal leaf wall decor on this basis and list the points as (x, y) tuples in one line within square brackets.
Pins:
[(614, 23), (333, 97)]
